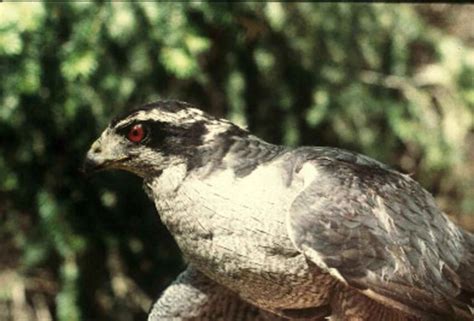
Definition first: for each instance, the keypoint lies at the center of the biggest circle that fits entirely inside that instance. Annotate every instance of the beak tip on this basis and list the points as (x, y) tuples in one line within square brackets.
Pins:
[(88, 166)]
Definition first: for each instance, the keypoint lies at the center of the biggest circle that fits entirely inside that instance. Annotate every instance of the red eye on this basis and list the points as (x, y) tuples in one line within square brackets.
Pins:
[(136, 133)]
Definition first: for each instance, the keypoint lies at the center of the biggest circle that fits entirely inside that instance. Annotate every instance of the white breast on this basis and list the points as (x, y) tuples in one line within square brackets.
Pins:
[(234, 230), (222, 204)]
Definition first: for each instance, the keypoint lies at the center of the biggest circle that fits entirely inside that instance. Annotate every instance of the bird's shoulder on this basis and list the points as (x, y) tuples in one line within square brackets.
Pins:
[(339, 167), (332, 157)]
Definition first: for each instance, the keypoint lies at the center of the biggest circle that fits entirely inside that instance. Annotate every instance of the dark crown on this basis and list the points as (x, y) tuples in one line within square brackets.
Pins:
[(170, 106)]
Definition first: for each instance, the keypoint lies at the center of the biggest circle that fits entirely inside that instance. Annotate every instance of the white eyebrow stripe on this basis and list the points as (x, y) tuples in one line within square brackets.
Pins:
[(123, 123), (138, 116), (184, 116)]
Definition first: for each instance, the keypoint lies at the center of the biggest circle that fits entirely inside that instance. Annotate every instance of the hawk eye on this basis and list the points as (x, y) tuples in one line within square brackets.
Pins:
[(136, 133)]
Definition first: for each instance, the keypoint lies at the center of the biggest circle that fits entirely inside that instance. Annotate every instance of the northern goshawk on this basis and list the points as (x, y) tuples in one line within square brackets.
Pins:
[(276, 233)]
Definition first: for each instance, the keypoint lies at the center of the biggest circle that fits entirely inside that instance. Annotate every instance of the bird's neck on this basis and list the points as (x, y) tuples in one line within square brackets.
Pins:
[(238, 151), (167, 182)]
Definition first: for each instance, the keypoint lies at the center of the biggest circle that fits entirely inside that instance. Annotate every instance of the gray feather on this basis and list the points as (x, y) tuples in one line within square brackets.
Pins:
[(380, 231)]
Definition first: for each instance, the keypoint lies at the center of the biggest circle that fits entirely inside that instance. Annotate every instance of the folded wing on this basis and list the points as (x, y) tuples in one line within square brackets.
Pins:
[(378, 231)]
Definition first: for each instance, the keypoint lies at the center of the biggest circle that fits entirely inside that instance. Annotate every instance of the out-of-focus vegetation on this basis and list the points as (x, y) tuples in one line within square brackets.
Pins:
[(395, 82)]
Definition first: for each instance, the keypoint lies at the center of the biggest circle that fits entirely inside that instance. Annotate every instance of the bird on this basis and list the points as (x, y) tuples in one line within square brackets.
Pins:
[(271, 232)]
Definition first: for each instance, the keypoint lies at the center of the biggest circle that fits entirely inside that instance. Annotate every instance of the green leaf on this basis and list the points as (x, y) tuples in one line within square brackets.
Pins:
[(178, 62)]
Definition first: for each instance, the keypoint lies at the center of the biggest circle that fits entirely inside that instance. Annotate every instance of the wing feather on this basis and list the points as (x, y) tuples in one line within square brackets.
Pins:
[(380, 232)]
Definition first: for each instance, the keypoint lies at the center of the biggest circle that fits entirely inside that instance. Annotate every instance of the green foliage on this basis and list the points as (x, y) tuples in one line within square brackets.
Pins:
[(378, 79)]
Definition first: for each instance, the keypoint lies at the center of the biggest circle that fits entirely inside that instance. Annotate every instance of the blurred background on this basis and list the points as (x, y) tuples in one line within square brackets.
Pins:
[(395, 82)]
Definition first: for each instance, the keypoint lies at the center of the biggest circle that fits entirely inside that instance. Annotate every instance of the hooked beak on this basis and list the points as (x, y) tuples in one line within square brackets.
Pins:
[(91, 165), (97, 159), (94, 161), (100, 157)]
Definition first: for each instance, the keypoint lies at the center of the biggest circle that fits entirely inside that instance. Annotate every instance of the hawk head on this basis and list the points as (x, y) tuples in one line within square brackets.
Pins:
[(155, 136)]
